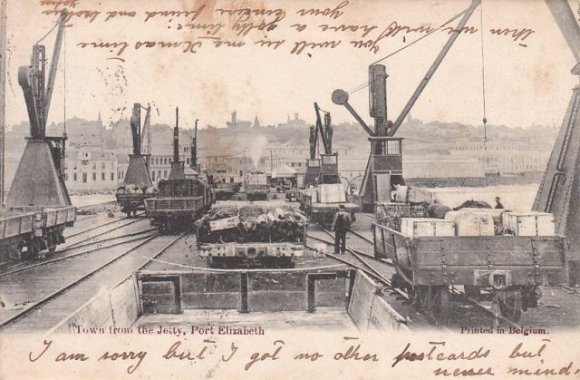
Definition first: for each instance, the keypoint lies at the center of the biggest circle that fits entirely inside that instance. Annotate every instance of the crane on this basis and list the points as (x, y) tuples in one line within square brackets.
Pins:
[(39, 179), (137, 172), (385, 167), (328, 173), (559, 191), (325, 168)]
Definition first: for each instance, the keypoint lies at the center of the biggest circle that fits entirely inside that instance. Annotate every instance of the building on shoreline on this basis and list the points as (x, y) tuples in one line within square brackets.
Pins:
[(504, 157), (91, 168)]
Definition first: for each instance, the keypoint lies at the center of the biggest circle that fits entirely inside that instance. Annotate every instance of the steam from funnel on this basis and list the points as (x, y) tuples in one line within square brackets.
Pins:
[(256, 147)]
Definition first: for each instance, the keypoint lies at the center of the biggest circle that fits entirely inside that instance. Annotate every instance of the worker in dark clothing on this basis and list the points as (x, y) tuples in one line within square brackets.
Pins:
[(340, 226), (498, 204)]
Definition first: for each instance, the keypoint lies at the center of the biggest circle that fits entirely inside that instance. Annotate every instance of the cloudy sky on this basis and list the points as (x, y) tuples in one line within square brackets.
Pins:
[(528, 80)]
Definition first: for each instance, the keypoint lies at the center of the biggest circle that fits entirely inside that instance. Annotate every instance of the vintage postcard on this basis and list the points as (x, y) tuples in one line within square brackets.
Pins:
[(252, 189)]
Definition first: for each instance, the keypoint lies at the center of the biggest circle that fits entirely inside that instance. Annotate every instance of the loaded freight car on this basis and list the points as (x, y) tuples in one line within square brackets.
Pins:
[(252, 234), (178, 204), (483, 252), (180, 200), (322, 202), (256, 186)]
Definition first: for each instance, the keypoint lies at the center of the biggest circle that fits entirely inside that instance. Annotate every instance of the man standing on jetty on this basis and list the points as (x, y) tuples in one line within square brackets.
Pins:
[(340, 226)]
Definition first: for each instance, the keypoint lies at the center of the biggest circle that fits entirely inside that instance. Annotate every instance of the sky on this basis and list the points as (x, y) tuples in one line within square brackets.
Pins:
[(528, 80)]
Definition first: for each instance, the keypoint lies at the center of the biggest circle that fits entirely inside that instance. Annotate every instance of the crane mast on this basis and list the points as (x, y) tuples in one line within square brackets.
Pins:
[(559, 191)]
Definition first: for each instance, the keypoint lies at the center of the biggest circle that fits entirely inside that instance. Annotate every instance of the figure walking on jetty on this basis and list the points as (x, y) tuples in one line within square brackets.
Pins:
[(340, 226)]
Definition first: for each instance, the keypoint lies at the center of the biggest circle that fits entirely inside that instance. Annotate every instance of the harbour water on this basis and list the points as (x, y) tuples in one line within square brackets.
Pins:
[(513, 197)]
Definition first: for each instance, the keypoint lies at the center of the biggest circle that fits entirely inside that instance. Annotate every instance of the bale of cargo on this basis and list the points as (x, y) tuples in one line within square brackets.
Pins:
[(420, 195), (401, 193), (252, 224), (423, 227), (437, 211), (531, 223), (473, 204), (471, 223)]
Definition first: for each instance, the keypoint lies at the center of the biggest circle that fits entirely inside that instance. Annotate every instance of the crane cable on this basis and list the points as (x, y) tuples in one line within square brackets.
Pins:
[(48, 33), (484, 120), (430, 32)]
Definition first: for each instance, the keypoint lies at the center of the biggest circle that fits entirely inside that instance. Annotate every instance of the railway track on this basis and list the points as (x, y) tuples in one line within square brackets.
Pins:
[(50, 296), (137, 236), (120, 221), (370, 265)]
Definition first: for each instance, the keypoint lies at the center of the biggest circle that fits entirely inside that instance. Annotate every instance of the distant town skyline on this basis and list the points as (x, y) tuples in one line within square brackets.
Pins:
[(308, 120)]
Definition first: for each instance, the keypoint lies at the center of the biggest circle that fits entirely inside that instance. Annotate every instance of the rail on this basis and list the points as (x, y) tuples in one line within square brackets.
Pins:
[(34, 306), (66, 257)]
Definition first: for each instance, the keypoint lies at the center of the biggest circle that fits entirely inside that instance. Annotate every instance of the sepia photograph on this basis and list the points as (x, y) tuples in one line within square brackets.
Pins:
[(268, 189)]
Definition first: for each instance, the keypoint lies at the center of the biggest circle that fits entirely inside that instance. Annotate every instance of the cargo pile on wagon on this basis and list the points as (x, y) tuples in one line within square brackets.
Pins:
[(135, 189), (321, 202), (252, 223), (241, 232), (481, 222), (416, 213)]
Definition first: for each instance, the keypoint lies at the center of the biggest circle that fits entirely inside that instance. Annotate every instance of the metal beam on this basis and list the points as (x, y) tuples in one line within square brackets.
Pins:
[(340, 97), (566, 20), (456, 32), (359, 119), (53, 68)]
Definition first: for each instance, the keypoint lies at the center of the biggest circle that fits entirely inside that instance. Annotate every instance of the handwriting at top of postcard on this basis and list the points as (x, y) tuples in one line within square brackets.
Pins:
[(244, 185)]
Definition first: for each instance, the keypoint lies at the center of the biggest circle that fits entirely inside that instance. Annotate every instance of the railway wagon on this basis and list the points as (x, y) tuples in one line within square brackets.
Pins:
[(225, 191), (510, 268), (178, 204), (321, 206), (252, 234), (28, 231), (131, 202), (256, 186)]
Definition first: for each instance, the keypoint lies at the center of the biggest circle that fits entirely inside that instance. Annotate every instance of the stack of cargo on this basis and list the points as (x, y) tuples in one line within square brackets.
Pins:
[(331, 193), (389, 213), (531, 223), (476, 221), (252, 224), (421, 227)]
